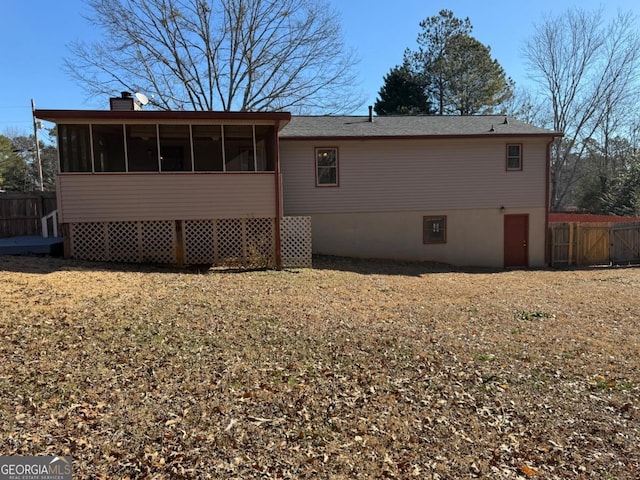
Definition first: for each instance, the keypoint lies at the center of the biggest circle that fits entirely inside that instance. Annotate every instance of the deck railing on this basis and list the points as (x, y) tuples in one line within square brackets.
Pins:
[(45, 224)]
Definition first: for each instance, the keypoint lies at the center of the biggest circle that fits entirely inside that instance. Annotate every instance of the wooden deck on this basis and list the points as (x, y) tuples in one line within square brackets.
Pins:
[(31, 245)]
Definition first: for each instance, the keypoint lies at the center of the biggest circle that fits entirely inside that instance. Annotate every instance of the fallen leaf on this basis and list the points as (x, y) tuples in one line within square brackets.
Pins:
[(528, 471)]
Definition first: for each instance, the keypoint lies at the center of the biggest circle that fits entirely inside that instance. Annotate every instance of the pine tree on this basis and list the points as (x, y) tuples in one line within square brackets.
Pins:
[(403, 93), (463, 78)]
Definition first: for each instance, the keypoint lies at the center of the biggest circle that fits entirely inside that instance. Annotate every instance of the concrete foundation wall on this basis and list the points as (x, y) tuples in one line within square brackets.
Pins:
[(474, 236)]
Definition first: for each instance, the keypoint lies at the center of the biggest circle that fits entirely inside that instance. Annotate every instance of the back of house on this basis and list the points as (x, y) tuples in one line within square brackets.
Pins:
[(462, 190), (215, 187)]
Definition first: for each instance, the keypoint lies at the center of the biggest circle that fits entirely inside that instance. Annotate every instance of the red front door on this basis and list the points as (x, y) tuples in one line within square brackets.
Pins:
[(516, 241)]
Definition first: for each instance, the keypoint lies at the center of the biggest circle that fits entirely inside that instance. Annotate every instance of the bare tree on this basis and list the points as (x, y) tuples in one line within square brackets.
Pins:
[(523, 106), (246, 55), (588, 71)]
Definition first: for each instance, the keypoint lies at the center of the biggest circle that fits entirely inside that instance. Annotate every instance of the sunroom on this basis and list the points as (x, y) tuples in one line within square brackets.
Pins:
[(171, 187)]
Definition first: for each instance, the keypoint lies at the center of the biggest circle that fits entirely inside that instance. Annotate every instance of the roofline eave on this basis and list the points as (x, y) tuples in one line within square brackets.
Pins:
[(59, 116), (417, 137)]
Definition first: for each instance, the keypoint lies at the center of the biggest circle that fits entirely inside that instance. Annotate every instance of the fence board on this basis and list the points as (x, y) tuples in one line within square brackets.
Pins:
[(561, 243), (574, 243), (625, 245), (593, 244), (20, 213)]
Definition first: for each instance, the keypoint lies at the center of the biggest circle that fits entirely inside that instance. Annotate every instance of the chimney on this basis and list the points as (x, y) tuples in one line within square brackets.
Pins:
[(123, 103), (370, 114)]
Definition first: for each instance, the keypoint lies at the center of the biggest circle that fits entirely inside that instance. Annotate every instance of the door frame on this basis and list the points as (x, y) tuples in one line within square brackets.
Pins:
[(526, 236)]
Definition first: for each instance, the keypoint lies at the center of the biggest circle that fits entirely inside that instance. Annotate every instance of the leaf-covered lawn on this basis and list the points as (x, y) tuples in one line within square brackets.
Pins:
[(353, 369)]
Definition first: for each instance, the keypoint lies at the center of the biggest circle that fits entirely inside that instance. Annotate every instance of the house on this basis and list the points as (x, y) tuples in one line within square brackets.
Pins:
[(218, 187), (463, 190)]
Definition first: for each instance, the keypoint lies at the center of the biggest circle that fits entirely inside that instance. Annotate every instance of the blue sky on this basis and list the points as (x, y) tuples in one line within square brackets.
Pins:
[(35, 34)]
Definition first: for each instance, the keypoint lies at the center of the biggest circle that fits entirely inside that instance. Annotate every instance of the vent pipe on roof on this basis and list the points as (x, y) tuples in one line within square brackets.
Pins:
[(370, 113), (506, 121)]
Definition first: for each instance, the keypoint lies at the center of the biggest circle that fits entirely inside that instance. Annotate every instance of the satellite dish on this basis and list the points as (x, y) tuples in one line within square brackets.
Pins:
[(142, 98)]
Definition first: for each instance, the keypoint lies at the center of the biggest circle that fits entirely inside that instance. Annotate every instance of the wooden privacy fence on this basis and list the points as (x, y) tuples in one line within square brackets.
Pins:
[(585, 244), (21, 213)]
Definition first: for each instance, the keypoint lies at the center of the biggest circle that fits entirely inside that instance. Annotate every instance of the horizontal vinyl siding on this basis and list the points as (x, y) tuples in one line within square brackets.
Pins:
[(124, 197), (402, 175)]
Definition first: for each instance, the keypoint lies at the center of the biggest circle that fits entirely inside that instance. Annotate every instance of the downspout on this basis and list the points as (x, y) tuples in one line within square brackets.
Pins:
[(278, 187), (547, 250)]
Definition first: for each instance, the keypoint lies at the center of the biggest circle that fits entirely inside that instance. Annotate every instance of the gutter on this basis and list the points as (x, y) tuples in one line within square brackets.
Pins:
[(547, 192)]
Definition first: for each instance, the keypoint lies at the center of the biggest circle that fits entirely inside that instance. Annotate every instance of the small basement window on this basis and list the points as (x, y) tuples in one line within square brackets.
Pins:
[(434, 229), (514, 157), (326, 167)]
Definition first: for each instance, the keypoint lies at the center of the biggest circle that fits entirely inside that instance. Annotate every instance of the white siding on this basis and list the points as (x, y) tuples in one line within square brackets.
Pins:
[(126, 197), (413, 174)]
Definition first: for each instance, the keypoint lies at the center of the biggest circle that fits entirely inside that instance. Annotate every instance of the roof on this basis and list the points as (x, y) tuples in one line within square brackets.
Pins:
[(301, 127), (424, 126), (60, 116)]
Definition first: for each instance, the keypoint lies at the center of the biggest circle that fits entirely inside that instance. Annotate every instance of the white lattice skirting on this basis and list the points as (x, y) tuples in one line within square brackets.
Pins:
[(227, 241), (295, 235)]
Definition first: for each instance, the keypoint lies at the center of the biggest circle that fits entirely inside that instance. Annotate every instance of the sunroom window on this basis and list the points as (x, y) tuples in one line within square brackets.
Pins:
[(75, 148), (264, 148), (108, 148), (142, 148), (238, 148), (175, 148), (207, 148), (104, 148)]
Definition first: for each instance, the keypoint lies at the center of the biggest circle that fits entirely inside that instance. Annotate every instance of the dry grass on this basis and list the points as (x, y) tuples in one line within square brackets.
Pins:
[(351, 370)]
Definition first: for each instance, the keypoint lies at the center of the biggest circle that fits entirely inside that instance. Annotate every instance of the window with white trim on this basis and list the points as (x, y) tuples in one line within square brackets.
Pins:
[(326, 167)]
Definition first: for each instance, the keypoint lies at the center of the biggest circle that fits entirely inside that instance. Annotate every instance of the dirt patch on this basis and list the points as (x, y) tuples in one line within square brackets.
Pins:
[(353, 369)]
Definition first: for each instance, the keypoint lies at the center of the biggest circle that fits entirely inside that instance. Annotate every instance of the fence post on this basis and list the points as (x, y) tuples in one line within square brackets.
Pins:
[(578, 246), (570, 250), (552, 244)]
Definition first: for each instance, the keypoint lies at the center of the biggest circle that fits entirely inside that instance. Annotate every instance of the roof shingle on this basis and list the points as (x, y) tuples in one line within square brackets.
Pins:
[(407, 126)]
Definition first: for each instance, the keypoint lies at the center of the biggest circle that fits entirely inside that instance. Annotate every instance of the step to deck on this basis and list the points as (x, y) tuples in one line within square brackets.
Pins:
[(31, 245)]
